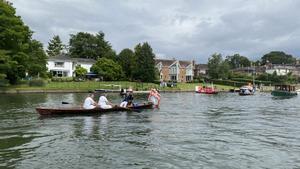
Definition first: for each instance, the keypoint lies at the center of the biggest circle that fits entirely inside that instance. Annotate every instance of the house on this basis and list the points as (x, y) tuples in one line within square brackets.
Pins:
[(200, 69), (175, 70), (64, 65), (279, 69)]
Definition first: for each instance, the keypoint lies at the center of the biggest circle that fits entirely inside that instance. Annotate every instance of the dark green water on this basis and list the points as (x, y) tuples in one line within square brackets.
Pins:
[(188, 131)]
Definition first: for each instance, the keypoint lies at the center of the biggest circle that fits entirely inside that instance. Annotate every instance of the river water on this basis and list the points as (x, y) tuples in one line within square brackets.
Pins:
[(188, 131)]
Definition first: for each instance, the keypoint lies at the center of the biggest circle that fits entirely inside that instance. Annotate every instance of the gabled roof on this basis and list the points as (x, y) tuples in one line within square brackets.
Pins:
[(169, 62), (185, 63), (164, 62)]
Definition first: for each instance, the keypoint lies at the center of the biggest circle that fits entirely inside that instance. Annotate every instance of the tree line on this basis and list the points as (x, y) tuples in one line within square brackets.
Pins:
[(21, 56)]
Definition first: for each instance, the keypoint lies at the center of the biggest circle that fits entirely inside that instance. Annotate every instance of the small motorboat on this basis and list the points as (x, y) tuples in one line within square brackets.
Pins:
[(82, 111), (246, 90), (206, 89)]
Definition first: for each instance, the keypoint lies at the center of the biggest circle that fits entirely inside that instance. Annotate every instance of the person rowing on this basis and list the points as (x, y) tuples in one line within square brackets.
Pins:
[(104, 103), (89, 102), (127, 102)]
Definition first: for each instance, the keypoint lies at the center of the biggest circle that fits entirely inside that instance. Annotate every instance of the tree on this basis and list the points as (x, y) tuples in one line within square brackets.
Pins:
[(108, 69), (55, 46), (19, 54), (80, 71), (278, 57), (145, 64), (126, 59), (217, 68), (237, 61), (86, 45)]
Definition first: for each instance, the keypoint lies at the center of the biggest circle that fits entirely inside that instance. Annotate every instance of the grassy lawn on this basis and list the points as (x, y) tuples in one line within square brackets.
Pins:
[(92, 85)]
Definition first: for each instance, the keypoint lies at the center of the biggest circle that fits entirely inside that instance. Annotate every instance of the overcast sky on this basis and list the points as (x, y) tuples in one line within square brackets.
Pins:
[(182, 29)]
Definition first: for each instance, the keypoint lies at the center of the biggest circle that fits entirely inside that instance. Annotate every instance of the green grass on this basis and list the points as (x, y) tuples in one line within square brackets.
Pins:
[(92, 85)]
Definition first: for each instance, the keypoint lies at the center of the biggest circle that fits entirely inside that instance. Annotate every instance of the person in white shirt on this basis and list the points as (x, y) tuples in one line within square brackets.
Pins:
[(104, 103), (89, 102)]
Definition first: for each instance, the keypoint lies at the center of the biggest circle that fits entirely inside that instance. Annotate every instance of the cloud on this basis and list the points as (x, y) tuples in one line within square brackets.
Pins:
[(184, 29)]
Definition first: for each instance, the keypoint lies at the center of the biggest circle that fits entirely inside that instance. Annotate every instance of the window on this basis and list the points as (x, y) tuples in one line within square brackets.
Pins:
[(59, 64), (173, 77), (188, 78)]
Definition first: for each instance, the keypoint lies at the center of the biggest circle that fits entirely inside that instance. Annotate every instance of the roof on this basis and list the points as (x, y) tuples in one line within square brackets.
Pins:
[(164, 62), (64, 57), (201, 66), (169, 62)]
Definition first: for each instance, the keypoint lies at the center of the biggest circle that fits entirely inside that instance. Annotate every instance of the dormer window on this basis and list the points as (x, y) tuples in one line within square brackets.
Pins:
[(59, 64)]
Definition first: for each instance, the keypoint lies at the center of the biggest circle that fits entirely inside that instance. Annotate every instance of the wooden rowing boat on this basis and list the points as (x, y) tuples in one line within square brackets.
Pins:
[(82, 111)]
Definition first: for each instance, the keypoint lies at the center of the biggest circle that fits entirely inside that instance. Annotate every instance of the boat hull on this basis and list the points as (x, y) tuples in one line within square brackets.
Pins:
[(81, 111), (281, 93)]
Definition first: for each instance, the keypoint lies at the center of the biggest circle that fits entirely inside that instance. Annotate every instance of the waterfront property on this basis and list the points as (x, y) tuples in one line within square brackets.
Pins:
[(64, 65), (200, 70), (280, 69), (175, 70)]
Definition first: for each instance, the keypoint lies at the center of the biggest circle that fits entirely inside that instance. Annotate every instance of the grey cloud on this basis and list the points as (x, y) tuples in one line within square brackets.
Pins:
[(185, 29)]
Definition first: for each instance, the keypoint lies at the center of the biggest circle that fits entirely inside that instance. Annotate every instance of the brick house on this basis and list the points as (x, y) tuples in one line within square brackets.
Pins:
[(175, 70)]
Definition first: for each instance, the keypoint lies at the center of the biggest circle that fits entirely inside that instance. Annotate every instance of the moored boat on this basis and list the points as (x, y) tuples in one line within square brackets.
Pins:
[(82, 111), (246, 90), (206, 89), (284, 90)]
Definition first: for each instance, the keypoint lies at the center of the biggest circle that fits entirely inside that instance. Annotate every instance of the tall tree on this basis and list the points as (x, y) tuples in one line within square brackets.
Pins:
[(55, 46), (86, 45), (145, 64), (236, 61), (278, 57), (108, 69), (126, 59), (217, 68), (17, 48)]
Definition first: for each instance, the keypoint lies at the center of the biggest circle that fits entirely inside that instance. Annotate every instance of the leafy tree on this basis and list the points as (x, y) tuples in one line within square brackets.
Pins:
[(108, 69), (86, 45), (217, 68), (145, 64), (18, 50), (237, 61), (55, 47), (126, 59), (278, 57), (37, 60), (80, 71)]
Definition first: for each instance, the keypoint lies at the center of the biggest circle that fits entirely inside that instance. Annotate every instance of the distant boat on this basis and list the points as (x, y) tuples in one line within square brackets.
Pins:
[(284, 90), (247, 90), (206, 89)]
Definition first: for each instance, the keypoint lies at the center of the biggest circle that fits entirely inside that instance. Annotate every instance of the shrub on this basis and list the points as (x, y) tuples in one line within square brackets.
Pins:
[(62, 79), (37, 82), (4, 83)]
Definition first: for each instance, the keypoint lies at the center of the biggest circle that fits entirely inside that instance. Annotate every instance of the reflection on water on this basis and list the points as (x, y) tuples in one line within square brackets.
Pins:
[(188, 131)]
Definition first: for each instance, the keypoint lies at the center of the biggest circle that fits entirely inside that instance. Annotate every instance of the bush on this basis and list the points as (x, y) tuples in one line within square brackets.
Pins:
[(4, 83), (37, 82), (62, 79), (229, 83)]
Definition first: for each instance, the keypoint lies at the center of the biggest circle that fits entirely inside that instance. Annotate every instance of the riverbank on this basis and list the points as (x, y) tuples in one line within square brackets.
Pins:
[(114, 86)]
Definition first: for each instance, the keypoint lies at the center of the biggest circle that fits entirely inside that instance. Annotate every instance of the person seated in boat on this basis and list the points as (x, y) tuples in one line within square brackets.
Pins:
[(127, 102), (104, 103), (89, 102)]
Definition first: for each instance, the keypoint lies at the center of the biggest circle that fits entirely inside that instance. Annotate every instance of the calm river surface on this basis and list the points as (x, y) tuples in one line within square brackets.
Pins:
[(188, 131)]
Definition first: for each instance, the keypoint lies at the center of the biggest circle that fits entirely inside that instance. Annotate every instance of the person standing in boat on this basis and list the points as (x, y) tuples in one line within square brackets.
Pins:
[(89, 102), (154, 97), (128, 100), (104, 103)]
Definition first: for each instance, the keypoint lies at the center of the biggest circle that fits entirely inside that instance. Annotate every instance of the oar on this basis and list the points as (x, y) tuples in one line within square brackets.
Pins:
[(65, 102)]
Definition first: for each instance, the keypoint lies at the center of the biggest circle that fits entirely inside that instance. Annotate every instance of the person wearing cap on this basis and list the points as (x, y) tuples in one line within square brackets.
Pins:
[(89, 102), (104, 103), (128, 99)]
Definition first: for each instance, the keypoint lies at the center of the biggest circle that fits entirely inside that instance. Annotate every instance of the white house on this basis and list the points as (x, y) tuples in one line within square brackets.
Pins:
[(64, 66), (280, 69)]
